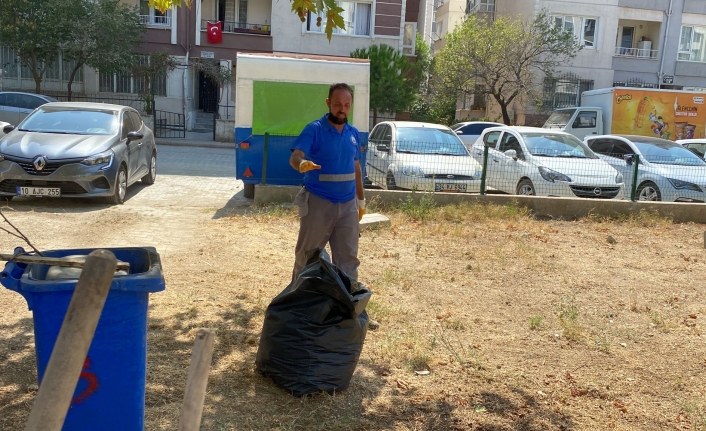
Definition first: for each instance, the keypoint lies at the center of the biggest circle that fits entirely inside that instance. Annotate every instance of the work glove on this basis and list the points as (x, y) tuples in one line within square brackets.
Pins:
[(307, 165), (361, 209)]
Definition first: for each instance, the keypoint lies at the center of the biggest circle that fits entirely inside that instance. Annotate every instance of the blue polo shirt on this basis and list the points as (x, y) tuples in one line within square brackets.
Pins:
[(336, 152)]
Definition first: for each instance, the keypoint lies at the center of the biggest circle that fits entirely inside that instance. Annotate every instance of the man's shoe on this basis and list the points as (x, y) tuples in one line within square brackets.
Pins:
[(373, 324)]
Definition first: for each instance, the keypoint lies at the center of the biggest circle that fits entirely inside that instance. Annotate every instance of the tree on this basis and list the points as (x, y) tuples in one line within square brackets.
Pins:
[(36, 30), (422, 65), (391, 87), (106, 39), (148, 68), (329, 8), (503, 58)]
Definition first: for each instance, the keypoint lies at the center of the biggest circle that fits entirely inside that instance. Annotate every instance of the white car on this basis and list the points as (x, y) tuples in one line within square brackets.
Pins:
[(469, 131), (535, 161), (666, 171), (420, 156), (2, 126), (696, 146)]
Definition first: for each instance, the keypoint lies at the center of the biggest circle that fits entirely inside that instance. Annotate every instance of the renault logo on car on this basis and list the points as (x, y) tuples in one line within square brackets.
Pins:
[(39, 163), (597, 191)]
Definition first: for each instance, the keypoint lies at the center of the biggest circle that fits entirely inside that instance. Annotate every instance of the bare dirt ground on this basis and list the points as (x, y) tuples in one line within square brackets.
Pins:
[(523, 324)]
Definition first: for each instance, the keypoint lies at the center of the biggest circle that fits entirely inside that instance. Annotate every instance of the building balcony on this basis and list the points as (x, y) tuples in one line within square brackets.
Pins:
[(640, 53), (156, 20), (233, 27)]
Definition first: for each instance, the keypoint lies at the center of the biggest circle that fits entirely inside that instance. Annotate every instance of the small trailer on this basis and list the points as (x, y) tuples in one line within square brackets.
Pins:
[(276, 96)]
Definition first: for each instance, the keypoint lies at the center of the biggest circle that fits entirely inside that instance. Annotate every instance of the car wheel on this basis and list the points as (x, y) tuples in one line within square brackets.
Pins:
[(525, 187), (391, 185), (118, 197), (152, 174), (648, 191)]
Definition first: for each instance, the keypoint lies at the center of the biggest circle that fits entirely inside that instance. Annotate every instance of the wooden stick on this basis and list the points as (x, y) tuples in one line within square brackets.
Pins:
[(196, 382), (66, 361), (72, 262)]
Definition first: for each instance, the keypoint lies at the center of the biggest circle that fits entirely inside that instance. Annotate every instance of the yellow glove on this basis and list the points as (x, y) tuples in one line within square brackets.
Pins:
[(307, 165), (361, 209)]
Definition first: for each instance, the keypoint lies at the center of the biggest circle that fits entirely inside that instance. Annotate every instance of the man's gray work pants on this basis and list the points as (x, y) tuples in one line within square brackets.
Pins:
[(322, 221)]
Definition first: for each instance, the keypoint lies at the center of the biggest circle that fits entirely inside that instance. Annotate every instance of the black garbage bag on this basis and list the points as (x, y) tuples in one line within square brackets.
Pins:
[(314, 330)]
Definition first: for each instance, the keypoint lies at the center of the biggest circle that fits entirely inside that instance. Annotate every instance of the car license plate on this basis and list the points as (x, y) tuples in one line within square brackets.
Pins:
[(53, 192), (450, 187)]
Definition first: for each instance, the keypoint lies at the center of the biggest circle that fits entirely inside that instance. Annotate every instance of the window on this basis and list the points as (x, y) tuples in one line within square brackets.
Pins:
[(243, 11), (491, 139), (136, 120), (59, 69), (151, 16), (410, 37), (129, 83), (583, 28), (585, 120), (691, 44), (510, 142), (357, 19), (127, 125)]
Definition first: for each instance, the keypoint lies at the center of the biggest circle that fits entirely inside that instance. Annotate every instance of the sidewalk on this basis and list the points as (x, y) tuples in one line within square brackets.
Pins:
[(181, 142)]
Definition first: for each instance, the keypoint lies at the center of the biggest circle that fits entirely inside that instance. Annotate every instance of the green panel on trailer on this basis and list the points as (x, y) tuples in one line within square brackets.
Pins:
[(284, 108)]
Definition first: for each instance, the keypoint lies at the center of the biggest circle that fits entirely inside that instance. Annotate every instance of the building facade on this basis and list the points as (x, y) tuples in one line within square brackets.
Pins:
[(247, 26), (641, 43)]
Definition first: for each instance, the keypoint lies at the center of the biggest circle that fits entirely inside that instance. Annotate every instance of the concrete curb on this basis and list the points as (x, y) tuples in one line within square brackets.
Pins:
[(566, 208), (194, 143)]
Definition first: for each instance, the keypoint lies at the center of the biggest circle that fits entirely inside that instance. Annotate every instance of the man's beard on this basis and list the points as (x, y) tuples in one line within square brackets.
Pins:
[(336, 120)]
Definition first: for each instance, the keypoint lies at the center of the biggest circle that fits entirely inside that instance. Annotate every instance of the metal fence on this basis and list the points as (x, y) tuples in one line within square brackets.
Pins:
[(564, 91), (169, 125)]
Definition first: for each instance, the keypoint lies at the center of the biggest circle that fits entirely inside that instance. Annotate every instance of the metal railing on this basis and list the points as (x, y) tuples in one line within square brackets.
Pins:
[(646, 54), (156, 20), (133, 101), (169, 125), (233, 27)]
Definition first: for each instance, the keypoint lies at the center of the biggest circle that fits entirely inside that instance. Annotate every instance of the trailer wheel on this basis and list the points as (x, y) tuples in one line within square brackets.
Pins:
[(249, 191)]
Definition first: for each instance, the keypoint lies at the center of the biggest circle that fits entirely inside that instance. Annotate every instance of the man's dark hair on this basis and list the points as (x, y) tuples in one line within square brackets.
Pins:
[(339, 86)]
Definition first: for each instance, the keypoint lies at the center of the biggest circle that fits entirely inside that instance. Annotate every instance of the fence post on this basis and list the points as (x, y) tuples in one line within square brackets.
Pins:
[(485, 169), (215, 114), (633, 189), (264, 158)]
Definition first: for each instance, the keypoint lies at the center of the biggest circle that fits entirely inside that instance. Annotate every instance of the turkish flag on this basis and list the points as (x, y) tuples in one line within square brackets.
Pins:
[(215, 33)]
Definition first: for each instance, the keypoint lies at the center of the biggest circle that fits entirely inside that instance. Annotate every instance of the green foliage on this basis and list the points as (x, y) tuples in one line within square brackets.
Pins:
[(157, 64), (419, 211), (535, 322), (36, 30), (502, 57), (391, 89), (109, 33), (422, 64)]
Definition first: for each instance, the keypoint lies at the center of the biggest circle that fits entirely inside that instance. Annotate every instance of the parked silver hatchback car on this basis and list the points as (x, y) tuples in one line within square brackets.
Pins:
[(67, 149), (15, 105)]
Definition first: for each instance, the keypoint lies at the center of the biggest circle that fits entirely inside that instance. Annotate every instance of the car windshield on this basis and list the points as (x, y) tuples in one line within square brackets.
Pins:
[(427, 140), (559, 118), (668, 153), (73, 121), (557, 145)]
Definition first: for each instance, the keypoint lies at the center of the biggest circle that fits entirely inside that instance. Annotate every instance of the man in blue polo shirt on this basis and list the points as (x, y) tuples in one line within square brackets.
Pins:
[(332, 202)]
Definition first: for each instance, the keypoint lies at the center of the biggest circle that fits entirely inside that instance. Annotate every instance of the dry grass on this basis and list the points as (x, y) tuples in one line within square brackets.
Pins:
[(524, 324)]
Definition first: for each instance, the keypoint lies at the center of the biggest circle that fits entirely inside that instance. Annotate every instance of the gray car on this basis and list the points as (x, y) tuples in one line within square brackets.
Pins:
[(15, 105), (67, 149)]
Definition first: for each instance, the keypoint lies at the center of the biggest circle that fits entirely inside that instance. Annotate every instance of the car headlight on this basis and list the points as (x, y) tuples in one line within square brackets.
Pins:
[(619, 178), (104, 158), (412, 171), (552, 176), (684, 185)]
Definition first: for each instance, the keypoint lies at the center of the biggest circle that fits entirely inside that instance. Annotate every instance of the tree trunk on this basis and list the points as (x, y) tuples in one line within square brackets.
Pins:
[(375, 116), (79, 64), (503, 109)]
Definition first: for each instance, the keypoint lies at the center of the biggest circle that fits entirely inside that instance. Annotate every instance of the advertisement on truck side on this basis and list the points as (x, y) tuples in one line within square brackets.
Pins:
[(667, 115)]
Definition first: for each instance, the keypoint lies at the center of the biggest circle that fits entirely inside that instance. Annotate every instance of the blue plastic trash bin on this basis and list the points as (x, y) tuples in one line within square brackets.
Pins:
[(110, 394)]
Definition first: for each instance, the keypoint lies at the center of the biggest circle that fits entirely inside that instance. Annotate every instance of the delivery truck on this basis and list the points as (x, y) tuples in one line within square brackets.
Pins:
[(667, 114), (276, 96)]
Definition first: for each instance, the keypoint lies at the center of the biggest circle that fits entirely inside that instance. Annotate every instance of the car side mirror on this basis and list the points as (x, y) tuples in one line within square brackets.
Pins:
[(383, 148), (134, 136), (511, 153), (458, 132), (7, 129), (629, 159)]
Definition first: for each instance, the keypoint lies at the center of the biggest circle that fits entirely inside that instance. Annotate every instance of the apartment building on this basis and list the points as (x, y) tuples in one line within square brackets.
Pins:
[(247, 26), (642, 43)]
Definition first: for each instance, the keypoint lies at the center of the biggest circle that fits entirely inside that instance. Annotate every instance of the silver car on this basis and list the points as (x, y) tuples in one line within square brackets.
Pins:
[(67, 149), (15, 105)]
